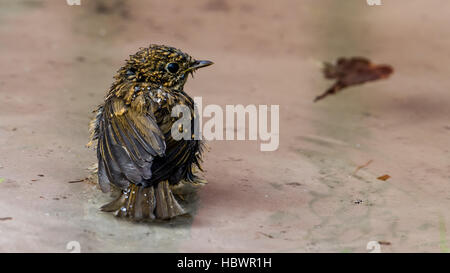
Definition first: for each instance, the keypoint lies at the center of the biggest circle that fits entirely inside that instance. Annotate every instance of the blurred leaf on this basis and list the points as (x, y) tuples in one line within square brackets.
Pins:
[(384, 177), (352, 71)]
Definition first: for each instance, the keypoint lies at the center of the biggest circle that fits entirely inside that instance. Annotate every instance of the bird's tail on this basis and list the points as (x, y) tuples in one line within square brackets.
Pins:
[(139, 203)]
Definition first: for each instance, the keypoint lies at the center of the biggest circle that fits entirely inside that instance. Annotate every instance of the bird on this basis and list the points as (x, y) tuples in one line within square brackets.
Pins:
[(132, 132)]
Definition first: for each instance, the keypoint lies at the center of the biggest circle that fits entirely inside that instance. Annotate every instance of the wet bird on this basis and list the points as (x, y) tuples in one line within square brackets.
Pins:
[(136, 150)]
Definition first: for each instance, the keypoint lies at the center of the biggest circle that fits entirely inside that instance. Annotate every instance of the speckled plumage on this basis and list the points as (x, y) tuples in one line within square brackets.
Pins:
[(135, 149)]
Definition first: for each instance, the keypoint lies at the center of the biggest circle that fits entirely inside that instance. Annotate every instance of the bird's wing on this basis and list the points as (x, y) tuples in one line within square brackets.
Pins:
[(129, 139), (180, 154)]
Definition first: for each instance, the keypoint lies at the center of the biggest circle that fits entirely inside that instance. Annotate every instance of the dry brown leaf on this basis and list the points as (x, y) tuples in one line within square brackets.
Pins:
[(353, 71), (384, 177)]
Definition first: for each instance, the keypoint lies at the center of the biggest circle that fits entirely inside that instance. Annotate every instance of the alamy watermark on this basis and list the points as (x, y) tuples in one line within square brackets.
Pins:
[(73, 2), (234, 122), (74, 247), (375, 246), (374, 2)]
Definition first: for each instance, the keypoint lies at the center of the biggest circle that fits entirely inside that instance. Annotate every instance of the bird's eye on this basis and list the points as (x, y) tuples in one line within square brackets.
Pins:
[(172, 67)]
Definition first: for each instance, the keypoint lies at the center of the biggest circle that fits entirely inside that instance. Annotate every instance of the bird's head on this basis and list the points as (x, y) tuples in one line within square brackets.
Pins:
[(163, 65)]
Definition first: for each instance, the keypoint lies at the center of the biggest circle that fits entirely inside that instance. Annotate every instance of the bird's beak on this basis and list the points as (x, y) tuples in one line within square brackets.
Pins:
[(199, 64)]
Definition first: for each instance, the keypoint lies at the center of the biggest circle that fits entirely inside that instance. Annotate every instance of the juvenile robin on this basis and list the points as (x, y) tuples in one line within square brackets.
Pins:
[(135, 148)]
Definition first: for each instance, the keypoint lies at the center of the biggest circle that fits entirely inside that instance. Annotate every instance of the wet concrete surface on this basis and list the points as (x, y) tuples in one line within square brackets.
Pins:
[(58, 62)]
